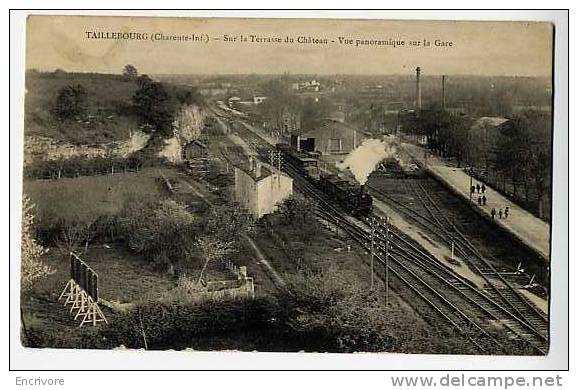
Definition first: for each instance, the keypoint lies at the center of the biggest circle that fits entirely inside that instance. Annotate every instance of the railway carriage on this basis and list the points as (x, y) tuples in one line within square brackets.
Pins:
[(350, 196)]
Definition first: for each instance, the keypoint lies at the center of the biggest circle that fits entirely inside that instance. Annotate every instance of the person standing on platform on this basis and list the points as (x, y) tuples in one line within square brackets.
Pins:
[(483, 188), (479, 200), (484, 200), (478, 188), (500, 213), (473, 189), (493, 213), (506, 212)]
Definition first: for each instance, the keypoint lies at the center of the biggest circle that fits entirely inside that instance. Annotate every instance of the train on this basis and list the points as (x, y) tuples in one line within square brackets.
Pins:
[(351, 196)]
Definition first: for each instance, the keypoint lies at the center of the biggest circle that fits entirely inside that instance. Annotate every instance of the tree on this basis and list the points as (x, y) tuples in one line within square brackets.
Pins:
[(448, 134), (155, 106), (71, 236), (213, 249), (70, 101), (528, 144), (32, 267), (298, 210), (129, 72), (229, 222), (188, 123), (223, 230)]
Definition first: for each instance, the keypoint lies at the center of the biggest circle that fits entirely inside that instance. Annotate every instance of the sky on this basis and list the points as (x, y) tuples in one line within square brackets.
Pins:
[(477, 48)]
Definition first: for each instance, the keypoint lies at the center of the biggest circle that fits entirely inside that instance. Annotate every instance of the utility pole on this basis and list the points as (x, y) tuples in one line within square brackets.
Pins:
[(444, 92), (275, 161), (372, 224), (386, 261), (471, 185)]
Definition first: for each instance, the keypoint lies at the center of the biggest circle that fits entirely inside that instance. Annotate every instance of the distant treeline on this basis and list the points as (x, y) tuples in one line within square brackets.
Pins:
[(60, 73)]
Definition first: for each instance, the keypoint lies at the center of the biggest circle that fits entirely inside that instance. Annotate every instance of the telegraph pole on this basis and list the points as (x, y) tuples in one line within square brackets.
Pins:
[(386, 261), (471, 184), (275, 161), (373, 223), (444, 92)]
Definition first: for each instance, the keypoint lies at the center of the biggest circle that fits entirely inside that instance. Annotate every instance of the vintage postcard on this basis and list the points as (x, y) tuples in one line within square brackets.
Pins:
[(287, 185)]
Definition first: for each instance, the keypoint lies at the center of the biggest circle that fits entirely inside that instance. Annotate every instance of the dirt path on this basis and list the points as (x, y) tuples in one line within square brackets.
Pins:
[(262, 260)]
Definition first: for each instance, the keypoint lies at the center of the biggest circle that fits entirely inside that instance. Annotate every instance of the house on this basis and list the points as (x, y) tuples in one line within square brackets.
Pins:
[(307, 86), (194, 149), (259, 99), (260, 187), (234, 100)]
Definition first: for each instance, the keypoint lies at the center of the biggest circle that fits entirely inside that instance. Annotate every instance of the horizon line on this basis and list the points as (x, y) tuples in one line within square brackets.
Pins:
[(296, 74)]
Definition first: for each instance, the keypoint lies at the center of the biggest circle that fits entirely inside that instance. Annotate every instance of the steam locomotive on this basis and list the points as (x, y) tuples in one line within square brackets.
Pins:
[(352, 197)]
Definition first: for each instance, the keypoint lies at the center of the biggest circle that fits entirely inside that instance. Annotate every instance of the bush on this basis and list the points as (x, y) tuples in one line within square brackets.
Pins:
[(163, 231), (177, 324), (70, 102), (298, 212)]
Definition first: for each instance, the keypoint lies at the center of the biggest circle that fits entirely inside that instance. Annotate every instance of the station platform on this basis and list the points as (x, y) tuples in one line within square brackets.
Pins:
[(521, 224)]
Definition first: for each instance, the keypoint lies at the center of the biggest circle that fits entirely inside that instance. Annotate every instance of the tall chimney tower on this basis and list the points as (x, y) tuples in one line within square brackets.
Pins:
[(443, 91), (417, 89)]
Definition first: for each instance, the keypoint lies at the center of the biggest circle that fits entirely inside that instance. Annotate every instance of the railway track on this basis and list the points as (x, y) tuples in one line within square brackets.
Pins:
[(514, 310), (422, 273)]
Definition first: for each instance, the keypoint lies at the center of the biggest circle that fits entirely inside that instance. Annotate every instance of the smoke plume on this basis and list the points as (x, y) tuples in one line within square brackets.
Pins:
[(365, 158)]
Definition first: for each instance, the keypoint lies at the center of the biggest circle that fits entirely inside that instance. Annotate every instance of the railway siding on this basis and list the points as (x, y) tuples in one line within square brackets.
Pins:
[(521, 225)]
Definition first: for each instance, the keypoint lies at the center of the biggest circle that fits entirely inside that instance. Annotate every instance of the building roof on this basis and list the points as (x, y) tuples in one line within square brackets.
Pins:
[(196, 142), (330, 125), (488, 122), (266, 170)]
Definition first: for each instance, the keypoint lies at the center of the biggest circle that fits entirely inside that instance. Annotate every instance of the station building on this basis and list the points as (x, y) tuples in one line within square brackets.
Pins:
[(330, 138)]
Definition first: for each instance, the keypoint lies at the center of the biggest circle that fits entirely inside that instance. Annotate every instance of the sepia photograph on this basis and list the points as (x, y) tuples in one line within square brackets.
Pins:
[(287, 185)]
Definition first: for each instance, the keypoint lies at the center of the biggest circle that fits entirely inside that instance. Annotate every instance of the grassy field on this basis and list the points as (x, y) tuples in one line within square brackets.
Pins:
[(109, 103), (87, 197), (123, 277)]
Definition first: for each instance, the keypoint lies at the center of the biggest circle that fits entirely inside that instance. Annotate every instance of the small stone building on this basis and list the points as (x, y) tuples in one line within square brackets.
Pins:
[(194, 149), (260, 188)]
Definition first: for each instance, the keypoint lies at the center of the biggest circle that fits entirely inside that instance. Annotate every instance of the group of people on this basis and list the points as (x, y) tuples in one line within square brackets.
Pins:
[(501, 213), (481, 191)]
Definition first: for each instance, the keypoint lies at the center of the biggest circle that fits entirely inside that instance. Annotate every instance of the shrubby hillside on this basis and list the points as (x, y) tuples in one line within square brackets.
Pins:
[(92, 108), (108, 112)]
